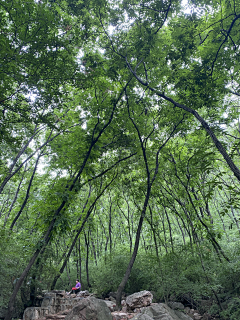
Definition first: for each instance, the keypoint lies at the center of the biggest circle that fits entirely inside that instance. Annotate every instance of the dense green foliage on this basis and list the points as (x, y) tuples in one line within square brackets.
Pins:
[(120, 119)]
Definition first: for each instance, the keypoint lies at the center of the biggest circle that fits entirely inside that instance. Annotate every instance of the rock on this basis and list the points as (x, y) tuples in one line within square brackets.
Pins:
[(90, 309), (182, 316), (187, 309), (65, 312), (197, 316), (111, 305), (147, 317), (123, 303), (119, 315), (52, 303), (139, 299), (124, 309), (32, 313), (176, 305), (83, 294), (112, 299), (161, 312), (55, 316), (57, 306)]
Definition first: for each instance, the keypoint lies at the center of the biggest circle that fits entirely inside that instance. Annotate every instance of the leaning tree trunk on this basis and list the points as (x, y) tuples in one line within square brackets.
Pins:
[(143, 212), (134, 254), (78, 233), (204, 123)]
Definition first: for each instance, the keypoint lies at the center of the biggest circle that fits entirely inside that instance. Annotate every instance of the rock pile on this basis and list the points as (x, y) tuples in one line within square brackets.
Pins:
[(57, 305), (139, 306), (54, 303)]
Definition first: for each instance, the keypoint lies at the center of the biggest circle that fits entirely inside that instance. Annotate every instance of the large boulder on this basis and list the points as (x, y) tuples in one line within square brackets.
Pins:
[(161, 311), (139, 300), (90, 309)]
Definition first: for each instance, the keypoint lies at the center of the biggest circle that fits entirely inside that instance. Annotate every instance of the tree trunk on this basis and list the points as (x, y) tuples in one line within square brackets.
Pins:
[(135, 250), (27, 194), (205, 125), (78, 233), (87, 257)]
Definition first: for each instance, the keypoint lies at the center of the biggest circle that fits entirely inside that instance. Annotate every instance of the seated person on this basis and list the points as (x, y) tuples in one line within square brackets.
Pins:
[(77, 287)]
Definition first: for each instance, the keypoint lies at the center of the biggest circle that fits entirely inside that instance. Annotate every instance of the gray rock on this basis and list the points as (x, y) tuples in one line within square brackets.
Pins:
[(33, 313), (161, 311), (123, 303), (84, 294), (112, 299), (139, 299), (52, 303), (182, 316), (145, 317), (119, 315), (111, 305), (90, 309), (176, 305)]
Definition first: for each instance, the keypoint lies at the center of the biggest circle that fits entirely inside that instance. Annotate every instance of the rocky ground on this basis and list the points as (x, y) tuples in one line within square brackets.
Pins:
[(57, 305)]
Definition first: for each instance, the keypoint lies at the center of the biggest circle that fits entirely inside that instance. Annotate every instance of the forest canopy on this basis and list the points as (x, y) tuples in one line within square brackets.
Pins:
[(120, 149)]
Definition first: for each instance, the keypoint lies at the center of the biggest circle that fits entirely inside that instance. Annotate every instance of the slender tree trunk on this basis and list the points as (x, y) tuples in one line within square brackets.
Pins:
[(93, 248), (78, 233), (20, 153), (170, 229), (135, 250), (77, 261), (110, 226), (128, 227), (180, 227), (80, 260), (69, 278), (164, 232), (27, 194), (87, 257), (236, 221), (153, 231), (150, 182), (15, 197)]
